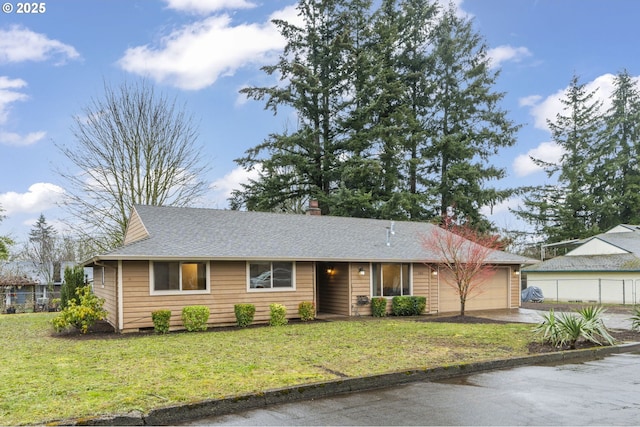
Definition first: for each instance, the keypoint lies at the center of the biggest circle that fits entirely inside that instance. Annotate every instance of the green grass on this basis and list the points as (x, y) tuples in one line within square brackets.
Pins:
[(46, 377)]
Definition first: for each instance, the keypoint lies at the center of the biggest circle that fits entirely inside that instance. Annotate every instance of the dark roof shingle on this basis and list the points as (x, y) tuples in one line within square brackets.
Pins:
[(239, 235)]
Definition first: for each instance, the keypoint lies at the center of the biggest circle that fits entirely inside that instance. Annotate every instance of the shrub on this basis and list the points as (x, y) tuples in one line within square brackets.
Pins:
[(419, 305), (379, 307), (307, 311), (572, 328), (635, 319), (244, 314), (194, 317), (161, 321), (73, 280), (567, 329), (81, 312), (548, 329), (401, 306), (598, 331), (408, 305), (277, 315)]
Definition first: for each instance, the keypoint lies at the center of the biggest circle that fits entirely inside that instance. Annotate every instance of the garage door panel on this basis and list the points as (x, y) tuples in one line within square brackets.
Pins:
[(494, 294)]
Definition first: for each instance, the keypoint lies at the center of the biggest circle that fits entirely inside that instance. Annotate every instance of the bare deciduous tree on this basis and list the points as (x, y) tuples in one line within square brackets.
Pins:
[(133, 146), (465, 254)]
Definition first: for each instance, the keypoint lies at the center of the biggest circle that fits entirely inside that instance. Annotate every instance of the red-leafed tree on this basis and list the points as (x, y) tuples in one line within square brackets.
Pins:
[(463, 252)]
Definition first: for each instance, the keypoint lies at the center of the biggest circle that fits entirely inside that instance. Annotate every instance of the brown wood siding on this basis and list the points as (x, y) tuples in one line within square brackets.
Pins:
[(515, 287), (434, 291), (108, 290), (494, 293), (228, 287), (360, 285), (334, 290), (135, 229), (421, 282)]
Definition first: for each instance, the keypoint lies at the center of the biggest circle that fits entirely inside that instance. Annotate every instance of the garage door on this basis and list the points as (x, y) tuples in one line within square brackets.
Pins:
[(494, 295)]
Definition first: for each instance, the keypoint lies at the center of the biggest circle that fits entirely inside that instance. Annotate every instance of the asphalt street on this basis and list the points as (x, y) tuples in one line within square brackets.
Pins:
[(599, 392)]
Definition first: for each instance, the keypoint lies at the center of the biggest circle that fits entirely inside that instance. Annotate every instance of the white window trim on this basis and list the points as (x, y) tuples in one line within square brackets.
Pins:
[(371, 278), (206, 291), (262, 290)]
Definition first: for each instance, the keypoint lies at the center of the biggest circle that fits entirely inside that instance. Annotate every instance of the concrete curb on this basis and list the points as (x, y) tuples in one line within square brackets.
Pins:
[(172, 415)]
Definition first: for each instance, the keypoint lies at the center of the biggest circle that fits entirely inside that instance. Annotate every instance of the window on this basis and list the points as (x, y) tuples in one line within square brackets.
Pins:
[(391, 280), (270, 275), (178, 276)]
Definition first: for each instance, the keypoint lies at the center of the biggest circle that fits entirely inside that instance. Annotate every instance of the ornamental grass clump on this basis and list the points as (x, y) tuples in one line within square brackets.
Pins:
[(566, 329), (244, 314), (635, 319), (277, 315), (593, 317), (161, 321), (306, 311), (194, 318)]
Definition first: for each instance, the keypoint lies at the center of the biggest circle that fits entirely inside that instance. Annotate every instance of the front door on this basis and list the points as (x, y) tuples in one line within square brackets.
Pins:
[(332, 281)]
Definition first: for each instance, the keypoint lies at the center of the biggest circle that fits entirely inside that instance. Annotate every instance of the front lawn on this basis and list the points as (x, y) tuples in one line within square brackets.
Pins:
[(47, 377)]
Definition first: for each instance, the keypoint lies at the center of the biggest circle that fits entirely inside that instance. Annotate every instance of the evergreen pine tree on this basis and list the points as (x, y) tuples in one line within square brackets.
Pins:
[(616, 171), (465, 123), (568, 210), (305, 162)]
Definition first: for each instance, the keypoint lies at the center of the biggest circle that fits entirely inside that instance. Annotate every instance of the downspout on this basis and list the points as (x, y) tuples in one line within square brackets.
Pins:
[(103, 266), (350, 290), (120, 297)]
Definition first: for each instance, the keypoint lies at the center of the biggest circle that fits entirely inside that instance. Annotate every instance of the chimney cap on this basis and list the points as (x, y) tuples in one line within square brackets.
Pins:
[(313, 208)]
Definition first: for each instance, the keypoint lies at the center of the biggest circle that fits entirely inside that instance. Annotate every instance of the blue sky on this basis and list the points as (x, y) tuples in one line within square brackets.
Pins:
[(204, 51)]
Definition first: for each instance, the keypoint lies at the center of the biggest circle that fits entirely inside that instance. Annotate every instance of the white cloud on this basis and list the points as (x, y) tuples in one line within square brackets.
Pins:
[(232, 181), (195, 56), (549, 152), (529, 101), (19, 44), (40, 197), (17, 140), (9, 95), (505, 53), (207, 6), (551, 106)]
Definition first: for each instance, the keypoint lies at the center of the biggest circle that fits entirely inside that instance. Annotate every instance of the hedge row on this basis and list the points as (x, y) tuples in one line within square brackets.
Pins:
[(195, 317)]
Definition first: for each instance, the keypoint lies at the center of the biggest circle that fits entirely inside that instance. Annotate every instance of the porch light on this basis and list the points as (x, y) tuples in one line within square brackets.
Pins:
[(330, 270), (517, 272), (361, 271), (434, 272)]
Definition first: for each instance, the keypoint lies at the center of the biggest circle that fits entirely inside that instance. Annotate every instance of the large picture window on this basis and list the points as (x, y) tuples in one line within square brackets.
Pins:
[(391, 279), (179, 276), (270, 275)]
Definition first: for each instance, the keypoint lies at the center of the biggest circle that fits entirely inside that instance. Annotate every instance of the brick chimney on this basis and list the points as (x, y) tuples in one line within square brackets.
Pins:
[(313, 208)]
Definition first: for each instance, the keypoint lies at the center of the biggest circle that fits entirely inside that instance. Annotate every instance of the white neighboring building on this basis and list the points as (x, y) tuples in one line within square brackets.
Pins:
[(601, 269)]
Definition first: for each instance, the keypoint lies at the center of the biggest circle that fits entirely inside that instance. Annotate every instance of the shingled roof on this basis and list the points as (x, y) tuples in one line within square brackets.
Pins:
[(587, 263), (195, 233), (628, 244)]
